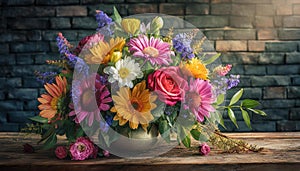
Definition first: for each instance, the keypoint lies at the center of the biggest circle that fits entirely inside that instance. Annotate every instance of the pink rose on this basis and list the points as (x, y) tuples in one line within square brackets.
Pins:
[(82, 149), (204, 149), (61, 152), (169, 83), (106, 153), (87, 42)]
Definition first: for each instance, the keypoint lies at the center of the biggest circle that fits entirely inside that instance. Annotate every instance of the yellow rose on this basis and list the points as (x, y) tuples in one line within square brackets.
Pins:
[(131, 25)]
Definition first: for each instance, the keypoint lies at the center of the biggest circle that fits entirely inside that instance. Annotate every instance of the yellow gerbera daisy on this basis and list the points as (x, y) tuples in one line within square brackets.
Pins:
[(104, 52), (195, 68), (134, 106), (50, 100)]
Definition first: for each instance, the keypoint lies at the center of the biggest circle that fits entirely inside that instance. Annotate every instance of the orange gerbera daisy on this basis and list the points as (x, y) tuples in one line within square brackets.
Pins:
[(103, 52), (195, 68), (134, 106), (49, 101)]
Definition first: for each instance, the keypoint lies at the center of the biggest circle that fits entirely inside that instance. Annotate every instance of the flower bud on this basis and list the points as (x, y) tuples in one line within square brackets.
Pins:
[(115, 56), (157, 23)]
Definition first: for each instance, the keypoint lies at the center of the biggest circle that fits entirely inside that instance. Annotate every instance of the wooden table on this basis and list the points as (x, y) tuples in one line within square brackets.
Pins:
[(281, 152)]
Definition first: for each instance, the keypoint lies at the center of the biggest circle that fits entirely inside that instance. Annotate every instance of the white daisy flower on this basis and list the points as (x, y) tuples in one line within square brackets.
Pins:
[(124, 72)]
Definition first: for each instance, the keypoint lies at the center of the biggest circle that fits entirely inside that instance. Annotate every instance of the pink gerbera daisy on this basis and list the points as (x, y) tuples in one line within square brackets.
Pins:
[(154, 50), (90, 97), (199, 98)]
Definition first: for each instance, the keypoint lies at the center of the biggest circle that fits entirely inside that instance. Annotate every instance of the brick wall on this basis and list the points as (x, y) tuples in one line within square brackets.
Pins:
[(260, 37)]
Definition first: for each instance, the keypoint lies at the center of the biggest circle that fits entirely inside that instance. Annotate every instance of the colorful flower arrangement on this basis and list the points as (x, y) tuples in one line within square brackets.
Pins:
[(129, 77)]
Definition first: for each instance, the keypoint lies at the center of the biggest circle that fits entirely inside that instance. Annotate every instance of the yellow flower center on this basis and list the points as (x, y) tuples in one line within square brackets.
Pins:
[(87, 100), (123, 72), (81, 147), (53, 103), (151, 51), (195, 99)]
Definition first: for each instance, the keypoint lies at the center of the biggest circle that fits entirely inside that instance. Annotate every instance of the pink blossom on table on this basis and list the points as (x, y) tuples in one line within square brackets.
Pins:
[(82, 149), (106, 153), (204, 149), (61, 152)]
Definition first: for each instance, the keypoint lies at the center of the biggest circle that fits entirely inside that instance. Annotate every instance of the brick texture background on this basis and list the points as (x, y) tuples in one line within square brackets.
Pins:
[(261, 38)]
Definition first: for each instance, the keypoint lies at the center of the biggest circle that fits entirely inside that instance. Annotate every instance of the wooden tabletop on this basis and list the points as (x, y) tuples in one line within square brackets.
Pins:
[(281, 152)]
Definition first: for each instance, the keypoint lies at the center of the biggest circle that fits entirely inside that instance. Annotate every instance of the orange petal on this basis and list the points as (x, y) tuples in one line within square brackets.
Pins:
[(48, 87), (49, 114), (122, 121), (43, 101), (133, 125), (47, 97), (44, 107)]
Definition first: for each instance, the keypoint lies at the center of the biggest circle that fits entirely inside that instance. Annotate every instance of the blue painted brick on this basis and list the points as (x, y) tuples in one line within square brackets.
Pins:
[(7, 60), (31, 105), (23, 94), (24, 59), (11, 105), (286, 125), (20, 116), (3, 117), (295, 114), (9, 127)]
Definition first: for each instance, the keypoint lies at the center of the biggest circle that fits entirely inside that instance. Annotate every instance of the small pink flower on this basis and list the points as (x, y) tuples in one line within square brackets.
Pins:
[(82, 149), (106, 153), (61, 152), (204, 149), (222, 71)]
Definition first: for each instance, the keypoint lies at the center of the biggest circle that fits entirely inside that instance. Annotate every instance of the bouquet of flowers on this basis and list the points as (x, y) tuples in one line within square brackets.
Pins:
[(133, 77)]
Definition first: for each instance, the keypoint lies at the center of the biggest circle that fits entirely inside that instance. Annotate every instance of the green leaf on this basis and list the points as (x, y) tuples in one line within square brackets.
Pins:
[(186, 141), (48, 133), (195, 134), (70, 130), (220, 99), (236, 97), (164, 128), (159, 110), (51, 141), (260, 112), (221, 120), (249, 103), (39, 119), (116, 16), (212, 59), (246, 118), (183, 136), (203, 138), (79, 132), (232, 117)]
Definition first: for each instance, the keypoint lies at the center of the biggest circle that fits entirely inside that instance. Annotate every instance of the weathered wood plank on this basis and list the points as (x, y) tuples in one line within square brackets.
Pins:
[(282, 152)]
